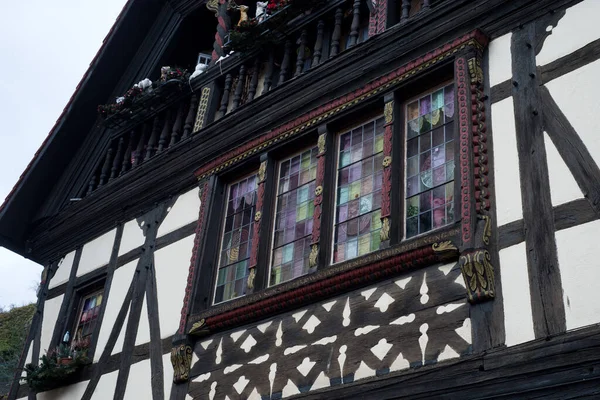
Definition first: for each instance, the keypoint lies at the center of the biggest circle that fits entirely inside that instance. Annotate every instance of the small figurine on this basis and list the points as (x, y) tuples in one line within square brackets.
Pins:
[(200, 68), (163, 73), (243, 14), (261, 10)]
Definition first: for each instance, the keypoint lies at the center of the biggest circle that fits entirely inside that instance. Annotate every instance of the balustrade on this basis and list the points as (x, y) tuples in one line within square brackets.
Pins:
[(306, 46)]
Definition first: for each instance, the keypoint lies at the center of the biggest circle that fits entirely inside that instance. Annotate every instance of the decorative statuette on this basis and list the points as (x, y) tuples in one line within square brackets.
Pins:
[(243, 14), (384, 233), (321, 143), (478, 273), (261, 10), (314, 253), (318, 191), (388, 112), (387, 161), (163, 73), (251, 276), (257, 216), (262, 171), (181, 358)]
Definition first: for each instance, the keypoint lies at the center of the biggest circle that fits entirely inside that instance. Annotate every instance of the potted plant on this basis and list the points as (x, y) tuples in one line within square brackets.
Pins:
[(63, 354)]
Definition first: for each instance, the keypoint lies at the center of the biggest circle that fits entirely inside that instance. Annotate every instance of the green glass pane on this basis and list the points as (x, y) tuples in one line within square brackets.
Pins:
[(437, 99), (221, 279), (343, 197), (311, 209), (305, 160), (412, 207), (354, 190), (378, 144), (364, 244), (302, 195), (240, 271), (302, 212), (288, 253), (375, 240), (376, 220), (345, 159)]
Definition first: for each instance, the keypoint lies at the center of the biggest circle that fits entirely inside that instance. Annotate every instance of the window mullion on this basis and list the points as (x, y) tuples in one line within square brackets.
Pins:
[(261, 245), (386, 188), (323, 217)]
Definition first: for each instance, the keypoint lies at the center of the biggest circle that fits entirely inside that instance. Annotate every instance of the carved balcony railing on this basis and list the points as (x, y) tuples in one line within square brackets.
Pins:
[(310, 40)]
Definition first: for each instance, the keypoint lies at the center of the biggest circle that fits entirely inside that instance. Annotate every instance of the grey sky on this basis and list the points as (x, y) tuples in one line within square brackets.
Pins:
[(45, 48)]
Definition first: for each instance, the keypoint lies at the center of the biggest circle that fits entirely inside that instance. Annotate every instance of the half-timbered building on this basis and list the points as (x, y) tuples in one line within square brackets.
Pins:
[(347, 199)]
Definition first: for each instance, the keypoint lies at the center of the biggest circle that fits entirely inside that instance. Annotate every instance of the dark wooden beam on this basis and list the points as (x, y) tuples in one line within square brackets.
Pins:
[(542, 260)]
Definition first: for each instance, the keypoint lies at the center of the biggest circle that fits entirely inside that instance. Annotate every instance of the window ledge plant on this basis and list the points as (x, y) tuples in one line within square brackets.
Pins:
[(58, 367)]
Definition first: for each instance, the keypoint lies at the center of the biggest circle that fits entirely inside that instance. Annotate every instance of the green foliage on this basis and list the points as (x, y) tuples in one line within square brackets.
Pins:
[(14, 326), (51, 372)]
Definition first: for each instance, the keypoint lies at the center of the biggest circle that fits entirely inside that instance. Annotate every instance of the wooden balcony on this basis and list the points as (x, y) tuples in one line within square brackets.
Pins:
[(165, 120)]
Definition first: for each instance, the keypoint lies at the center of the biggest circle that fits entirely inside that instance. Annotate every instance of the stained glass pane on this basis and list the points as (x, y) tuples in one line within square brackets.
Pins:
[(296, 205), (358, 202), (236, 241), (430, 162)]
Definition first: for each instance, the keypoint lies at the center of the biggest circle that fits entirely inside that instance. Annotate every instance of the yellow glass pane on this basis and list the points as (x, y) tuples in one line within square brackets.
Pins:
[(355, 190), (364, 245), (302, 212), (378, 144)]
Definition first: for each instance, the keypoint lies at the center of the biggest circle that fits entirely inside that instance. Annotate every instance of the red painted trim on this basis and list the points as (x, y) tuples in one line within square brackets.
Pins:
[(323, 289), (256, 228), (386, 186), (465, 165), (311, 118), (192, 269)]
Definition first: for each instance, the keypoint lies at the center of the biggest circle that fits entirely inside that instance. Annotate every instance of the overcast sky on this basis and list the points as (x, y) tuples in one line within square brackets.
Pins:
[(45, 48)]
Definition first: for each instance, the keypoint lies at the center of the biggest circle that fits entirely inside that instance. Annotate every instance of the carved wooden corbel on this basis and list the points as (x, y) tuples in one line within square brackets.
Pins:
[(478, 273), (181, 358)]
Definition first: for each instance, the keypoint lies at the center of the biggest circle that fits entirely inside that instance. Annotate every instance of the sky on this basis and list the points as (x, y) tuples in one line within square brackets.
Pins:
[(45, 48)]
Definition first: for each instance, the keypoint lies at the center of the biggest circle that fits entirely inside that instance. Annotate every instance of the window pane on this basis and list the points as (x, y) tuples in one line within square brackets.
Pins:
[(236, 239), (430, 162), (358, 201), (295, 208)]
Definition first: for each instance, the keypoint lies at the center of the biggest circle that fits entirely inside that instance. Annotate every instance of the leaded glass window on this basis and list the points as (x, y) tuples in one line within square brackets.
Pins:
[(358, 197), (236, 241), (88, 315), (430, 161), (294, 216)]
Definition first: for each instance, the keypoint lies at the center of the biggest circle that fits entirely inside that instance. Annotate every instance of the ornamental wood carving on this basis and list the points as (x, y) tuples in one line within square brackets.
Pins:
[(181, 358), (318, 201), (478, 273), (386, 187)]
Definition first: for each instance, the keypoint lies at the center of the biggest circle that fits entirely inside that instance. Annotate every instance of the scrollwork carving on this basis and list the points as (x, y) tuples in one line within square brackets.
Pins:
[(181, 358), (478, 273)]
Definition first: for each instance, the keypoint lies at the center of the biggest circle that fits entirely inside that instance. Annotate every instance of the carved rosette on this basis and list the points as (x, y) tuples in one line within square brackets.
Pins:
[(260, 197), (313, 258), (386, 189), (478, 273), (204, 189), (181, 358)]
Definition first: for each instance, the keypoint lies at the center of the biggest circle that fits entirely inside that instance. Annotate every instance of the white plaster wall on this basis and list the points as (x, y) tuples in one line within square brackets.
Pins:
[(576, 93), (96, 253), (133, 236), (143, 333), (118, 290), (118, 347), (563, 187), (506, 163), (580, 273), (63, 272), (500, 59), (51, 310), (139, 384), (71, 392), (184, 211), (518, 318), (172, 266), (577, 28), (168, 374), (28, 359), (105, 390)]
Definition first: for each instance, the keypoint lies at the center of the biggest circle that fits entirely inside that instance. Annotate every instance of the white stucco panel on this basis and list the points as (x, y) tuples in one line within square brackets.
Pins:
[(168, 374), (506, 163), (133, 236), (105, 390), (143, 333), (184, 211), (118, 290), (96, 253), (63, 272), (576, 93), (172, 266), (500, 59), (139, 384), (576, 29), (563, 187), (71, 392), (580, 273), (518, 318), (28, 359), (51, 310)]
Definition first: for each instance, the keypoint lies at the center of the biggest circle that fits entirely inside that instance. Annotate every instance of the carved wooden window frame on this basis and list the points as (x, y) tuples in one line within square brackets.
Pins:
[(466, 242)]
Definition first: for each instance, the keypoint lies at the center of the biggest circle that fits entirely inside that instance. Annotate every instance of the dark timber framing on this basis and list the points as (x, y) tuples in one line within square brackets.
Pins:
[(544, 275)]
